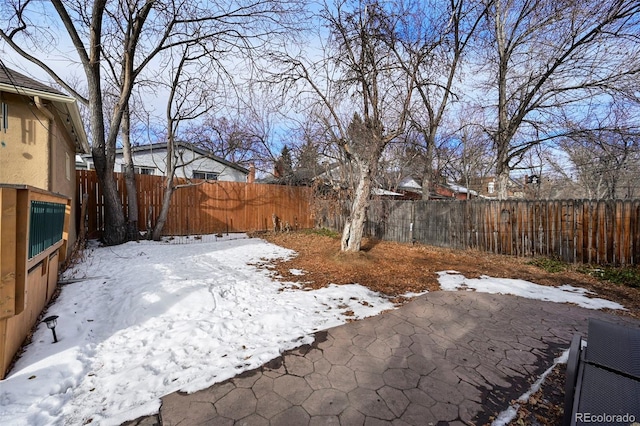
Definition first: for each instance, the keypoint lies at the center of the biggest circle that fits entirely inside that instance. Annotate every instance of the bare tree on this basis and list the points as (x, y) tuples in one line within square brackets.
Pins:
[(189, 98), (436, 37), (545, 56), (359, 86), (226, 136), (470, 156), (604, 152), (152, 26), (244, 131)]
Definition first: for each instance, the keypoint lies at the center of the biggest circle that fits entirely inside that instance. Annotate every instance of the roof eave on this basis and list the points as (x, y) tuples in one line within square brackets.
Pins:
[(74, 113), (69, 103), (20, 90)]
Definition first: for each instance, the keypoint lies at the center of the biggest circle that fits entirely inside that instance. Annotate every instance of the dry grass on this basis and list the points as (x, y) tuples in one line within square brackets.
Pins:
[(395, 269)]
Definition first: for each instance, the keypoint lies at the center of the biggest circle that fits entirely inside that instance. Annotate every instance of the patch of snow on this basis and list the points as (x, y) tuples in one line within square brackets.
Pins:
[(409, 182), (452, 281), (510, 413), (297, 272), (412, 294), (380, 191), (460, 189)]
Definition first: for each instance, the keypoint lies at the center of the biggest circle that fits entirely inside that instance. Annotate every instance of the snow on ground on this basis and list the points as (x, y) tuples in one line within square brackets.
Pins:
[(452, 281), (147, 319), (153, 318)]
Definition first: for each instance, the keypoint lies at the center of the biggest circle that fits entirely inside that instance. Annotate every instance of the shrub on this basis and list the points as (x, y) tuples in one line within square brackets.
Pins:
[(627, 276), (550, 265)]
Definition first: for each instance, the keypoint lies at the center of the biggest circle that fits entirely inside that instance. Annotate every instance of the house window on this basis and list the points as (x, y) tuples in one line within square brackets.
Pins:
[(5, 116), (205, 175), (140, 170), (145, 170), (491, 187)]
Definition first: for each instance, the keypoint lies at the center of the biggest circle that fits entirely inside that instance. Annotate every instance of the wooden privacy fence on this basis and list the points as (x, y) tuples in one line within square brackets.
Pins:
[(584, 231), (205, 208)]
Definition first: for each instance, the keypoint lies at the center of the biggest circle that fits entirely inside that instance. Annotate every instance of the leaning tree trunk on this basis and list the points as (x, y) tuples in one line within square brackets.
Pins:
[(164, 210), (169, 187), (354, 226)]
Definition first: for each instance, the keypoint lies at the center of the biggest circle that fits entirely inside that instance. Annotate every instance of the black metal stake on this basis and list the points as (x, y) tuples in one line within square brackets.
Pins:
[(51, 322)]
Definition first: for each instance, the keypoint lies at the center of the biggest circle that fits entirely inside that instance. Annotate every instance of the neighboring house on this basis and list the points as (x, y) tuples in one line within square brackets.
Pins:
[(385, 193), (412, 189), (329, 174), (194, 163), (40, 134), (334, 177), (487, 187), (84, 162)]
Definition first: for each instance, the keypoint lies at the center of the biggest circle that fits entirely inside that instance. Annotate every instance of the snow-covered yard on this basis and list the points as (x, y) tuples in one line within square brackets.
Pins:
[(148, 319)]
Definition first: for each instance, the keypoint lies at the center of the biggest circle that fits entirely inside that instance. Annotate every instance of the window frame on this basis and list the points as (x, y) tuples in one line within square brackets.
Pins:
[(207, 175)]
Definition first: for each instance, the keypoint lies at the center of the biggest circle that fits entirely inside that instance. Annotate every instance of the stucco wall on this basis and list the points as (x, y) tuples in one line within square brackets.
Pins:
[(39, 152), (63, 175), (24, 147)]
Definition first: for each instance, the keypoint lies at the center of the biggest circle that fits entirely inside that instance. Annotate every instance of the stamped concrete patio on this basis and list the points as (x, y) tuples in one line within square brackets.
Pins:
[(452, 358)]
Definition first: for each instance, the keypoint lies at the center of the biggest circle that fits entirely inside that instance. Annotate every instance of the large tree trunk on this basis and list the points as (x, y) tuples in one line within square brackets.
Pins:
[(427, 174), (426, 183), (503, 184), (502, 164), (114, 231), (129, 179), (354, 226), (103, 153)]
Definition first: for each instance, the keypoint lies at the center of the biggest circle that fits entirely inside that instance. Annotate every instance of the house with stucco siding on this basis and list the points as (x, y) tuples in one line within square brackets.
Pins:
[(40, 134)]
